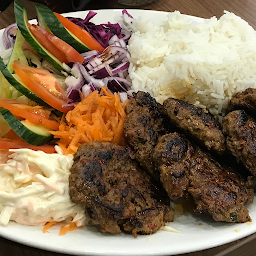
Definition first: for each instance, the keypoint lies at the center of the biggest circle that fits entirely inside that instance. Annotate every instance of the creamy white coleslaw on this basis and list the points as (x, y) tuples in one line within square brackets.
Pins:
[(34, 188)]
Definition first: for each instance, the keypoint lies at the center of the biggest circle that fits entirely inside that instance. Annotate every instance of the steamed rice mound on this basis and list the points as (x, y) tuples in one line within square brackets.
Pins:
[(201, 61)]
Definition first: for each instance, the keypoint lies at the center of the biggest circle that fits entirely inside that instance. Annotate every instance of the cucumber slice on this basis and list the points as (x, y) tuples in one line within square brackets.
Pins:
[(17, 53), (33, 134), (41, 21), (18, 85), (48, 20), (21, 20)]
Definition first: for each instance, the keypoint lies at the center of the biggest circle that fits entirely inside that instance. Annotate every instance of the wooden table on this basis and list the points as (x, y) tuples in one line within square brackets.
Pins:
[(203, 8)]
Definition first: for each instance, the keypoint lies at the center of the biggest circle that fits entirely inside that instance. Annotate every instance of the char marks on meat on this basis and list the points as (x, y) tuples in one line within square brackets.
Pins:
[(215, 190), (172, 156), (240, 130), (196, 123), (115, 192), (218, 191), (143, 127), (245, 100)]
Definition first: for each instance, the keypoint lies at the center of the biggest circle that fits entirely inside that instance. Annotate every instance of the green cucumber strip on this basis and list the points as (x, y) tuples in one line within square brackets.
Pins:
[(37, 129), (19, 86), (17, 52), (55, 26), (21, 20), (41, 21), (34, 134)]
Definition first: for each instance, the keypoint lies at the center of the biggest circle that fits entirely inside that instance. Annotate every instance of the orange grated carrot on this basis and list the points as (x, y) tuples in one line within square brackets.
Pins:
[(71, 226), (99, 116), (48, 225)]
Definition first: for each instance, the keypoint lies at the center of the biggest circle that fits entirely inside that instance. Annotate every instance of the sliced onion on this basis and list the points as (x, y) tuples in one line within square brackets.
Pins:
[(116, 86), (90, 79), (73, 94), (112, 61), (120, 68), (126, 83), (123, 96), (86, 90), (93, 63), (100, 73), (74, 83), (113, 39), (118, 49), (9, 36), (77, 80), (96, 64), (120, 43), (92, 87), (90, 55)]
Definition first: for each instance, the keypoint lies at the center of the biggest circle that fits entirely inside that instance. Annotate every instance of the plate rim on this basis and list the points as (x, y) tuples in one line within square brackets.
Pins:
[(53, 248)]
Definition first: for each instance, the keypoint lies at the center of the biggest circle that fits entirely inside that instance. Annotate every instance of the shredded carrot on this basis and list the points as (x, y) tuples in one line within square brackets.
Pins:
[(71, 226), (48, 225), (99, 116)]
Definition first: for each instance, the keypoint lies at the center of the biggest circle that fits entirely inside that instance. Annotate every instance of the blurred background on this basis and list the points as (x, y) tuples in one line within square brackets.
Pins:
[(201, 8), (62, 6), (78, 5)]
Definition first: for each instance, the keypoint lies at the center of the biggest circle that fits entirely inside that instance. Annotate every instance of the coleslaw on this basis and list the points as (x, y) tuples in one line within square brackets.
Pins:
[(34, 188)]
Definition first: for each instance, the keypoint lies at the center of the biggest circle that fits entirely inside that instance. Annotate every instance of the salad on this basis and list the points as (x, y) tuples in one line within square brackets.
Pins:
[(49, 68), (63, 81)]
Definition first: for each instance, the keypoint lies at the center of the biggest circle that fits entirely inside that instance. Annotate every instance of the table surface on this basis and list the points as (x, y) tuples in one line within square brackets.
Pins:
[(203, 8)]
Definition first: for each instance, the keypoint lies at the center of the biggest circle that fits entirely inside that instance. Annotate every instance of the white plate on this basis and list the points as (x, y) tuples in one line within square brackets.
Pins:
[(194, 237)]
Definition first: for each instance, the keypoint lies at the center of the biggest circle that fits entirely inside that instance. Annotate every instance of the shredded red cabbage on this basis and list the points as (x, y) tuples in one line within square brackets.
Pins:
[(124, 11), (103, 32)]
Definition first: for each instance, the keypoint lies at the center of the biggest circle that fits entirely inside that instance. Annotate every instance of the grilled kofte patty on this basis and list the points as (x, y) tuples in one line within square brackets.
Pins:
[(195, 123), (245, 100), (143, 127), (115, 192), (217, 191), (172, 156), (240, 130)]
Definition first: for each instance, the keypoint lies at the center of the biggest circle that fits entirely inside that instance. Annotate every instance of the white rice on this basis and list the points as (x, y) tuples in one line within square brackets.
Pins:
[(202, 61)]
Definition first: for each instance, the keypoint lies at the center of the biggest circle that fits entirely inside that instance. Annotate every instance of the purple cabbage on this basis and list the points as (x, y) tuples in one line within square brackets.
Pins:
[(103, 32)]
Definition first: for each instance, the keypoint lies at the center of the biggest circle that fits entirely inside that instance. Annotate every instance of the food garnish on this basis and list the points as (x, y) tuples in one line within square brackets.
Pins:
[(99, 116)]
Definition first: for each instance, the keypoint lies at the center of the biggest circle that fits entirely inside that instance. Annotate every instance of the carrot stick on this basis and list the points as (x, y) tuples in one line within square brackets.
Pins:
[(48, 225), (99, 116), (71, 226)]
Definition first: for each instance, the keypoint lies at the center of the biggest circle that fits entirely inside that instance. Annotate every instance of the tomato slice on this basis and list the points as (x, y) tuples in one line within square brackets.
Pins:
[(6, 144), (12, 135), (57, 47), (71, 54), (80, 33), (35, 114), (42, 83), (45, 79)]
